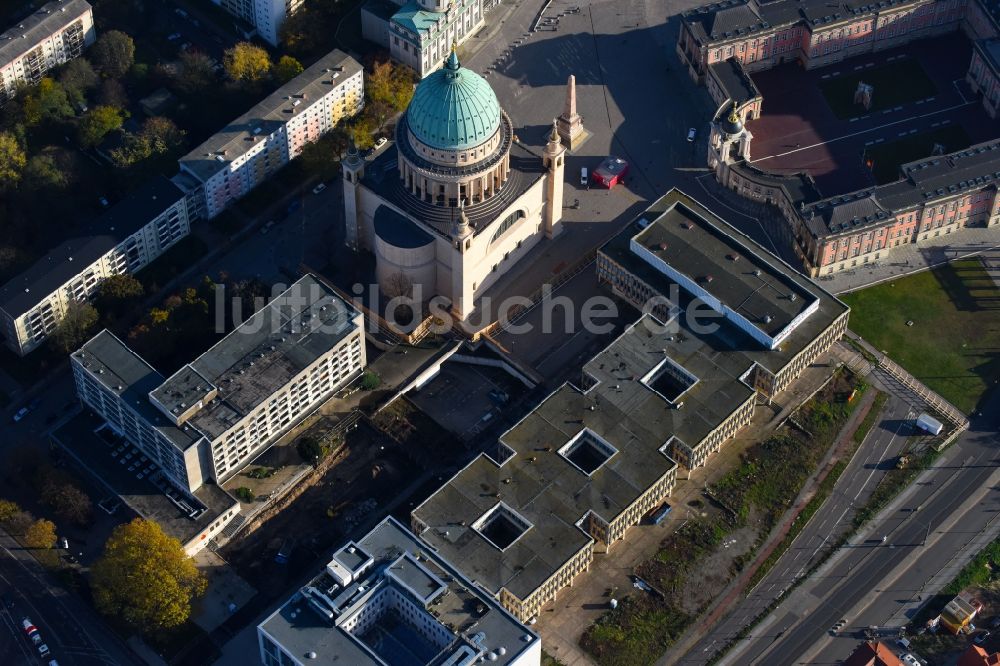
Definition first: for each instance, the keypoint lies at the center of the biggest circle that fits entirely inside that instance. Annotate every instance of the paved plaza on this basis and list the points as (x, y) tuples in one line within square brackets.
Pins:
[(798, 130)]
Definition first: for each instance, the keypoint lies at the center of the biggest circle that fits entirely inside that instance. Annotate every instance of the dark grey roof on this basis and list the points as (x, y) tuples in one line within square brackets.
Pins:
[(49, 18), (383, 9), (922, 181), (269, 115), (730, 19), (736, 83), (128, 375), (66, 260), (478, 623), (398, 230), (763, 292), (729, 337), (278, 341)]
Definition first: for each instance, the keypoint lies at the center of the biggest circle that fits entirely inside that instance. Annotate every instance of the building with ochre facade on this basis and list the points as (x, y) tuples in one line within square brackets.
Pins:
[(457, 199)]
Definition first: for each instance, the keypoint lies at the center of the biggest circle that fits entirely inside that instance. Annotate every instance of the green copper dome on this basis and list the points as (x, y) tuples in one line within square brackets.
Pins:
[(453, 108)]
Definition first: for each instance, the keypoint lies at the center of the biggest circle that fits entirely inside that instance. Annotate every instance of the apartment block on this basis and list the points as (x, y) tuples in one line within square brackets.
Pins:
[(388, 599), (266, 16), (218, 412), (124, 240), (55, 33), (254, 146), (420, 33)]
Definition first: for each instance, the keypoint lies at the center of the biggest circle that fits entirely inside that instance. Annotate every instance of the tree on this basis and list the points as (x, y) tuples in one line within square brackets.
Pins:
[(145, 578), (113, 94), (370, 381), (361, 129), (158, 136), (98, 123), (246, 62), (391, 83), (287, 69), (113, 53), (46, 101), (77, 77), (12, 160), (121, 287), (309, 449), (55, 489), (322, 157), (244, 494), (20, 522), (196, 73), (75, 327), (40, 534), (42, 173), (8, 510)]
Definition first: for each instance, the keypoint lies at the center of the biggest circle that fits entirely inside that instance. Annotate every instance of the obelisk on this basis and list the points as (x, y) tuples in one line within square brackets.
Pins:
[(570, 124)]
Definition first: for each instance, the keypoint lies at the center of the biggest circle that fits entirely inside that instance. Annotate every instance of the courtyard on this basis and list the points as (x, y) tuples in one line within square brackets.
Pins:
[(810, 123), (943, 326)]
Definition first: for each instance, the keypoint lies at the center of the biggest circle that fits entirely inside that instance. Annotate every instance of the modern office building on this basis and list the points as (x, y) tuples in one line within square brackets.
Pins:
[(124, 240), (266, 16), (53, 34), (217, 413), (389, 599), (420, 33), (456, 200), (570, 479), (254, 146)]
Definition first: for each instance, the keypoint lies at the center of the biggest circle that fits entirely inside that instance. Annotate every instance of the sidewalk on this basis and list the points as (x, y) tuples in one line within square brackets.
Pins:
[(914, 258)]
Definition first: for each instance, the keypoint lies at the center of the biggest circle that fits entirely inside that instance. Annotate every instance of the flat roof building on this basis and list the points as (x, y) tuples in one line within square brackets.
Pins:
[(124, 240), (219, 412), (48, 37), (388, 599), (248, 151), (591, 460)]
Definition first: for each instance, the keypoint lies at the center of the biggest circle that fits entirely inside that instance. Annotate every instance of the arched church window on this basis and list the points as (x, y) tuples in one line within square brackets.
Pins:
[(508, 222)]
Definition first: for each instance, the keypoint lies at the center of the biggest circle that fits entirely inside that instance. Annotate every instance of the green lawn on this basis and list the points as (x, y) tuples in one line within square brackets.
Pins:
[(887, 157), (895, 83), (953, 342)]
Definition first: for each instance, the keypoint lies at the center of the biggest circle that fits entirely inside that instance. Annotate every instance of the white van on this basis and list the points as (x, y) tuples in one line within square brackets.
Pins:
[(583, 176)]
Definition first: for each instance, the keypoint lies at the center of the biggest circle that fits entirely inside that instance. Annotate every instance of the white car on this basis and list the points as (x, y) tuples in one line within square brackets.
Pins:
[(910, 660), (692, 133), (381, 142), (21, 413), (319, 188)]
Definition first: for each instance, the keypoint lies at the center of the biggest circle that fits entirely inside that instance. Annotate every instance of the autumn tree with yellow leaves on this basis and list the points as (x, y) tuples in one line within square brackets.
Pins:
[(145, 578)]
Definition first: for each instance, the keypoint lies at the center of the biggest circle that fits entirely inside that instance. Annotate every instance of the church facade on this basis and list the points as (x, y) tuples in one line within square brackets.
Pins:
[(456, 200)]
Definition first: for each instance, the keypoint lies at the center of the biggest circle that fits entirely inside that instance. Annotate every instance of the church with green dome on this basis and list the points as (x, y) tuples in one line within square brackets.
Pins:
[(456, 199)]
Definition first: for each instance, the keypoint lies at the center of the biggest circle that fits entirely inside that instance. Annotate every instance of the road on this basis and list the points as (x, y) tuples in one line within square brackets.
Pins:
[(67, 625), (877, 454), (869, 581)]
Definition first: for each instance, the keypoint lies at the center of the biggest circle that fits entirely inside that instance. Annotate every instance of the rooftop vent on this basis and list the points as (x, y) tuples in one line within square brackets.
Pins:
[(768, 319)]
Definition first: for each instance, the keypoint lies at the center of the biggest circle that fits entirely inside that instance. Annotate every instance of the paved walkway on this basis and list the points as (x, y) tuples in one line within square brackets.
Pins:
[(587, 599), (914, 258)]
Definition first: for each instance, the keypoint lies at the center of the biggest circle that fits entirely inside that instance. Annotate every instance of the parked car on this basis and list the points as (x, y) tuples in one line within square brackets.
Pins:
[(21, 413), (909, 659), (981, 637), (319, 188), (266, 228), (381, 142), (692, 134), (285, 552), (584, 176), (173, 37)]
